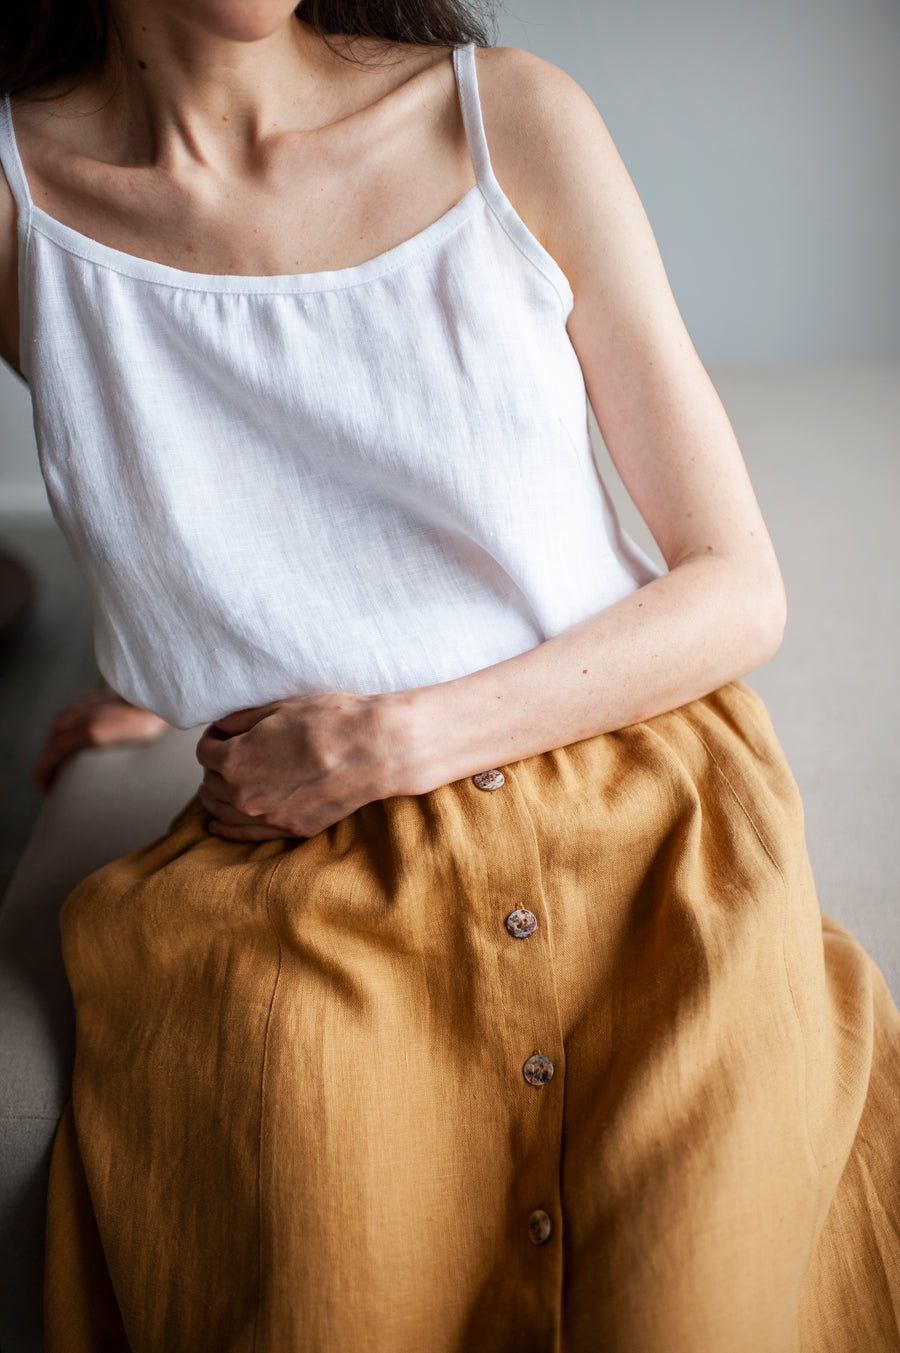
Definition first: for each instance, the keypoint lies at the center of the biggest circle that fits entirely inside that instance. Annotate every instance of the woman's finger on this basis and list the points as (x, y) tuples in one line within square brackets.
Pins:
[(120, 722), (214, 784), (216, 797), (68, 718), (212, 749), (243, 719), (80, 709), (225, 812), (96, 720)]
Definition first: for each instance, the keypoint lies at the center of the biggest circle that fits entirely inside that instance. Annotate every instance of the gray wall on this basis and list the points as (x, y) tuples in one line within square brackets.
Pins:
[(763, 140)]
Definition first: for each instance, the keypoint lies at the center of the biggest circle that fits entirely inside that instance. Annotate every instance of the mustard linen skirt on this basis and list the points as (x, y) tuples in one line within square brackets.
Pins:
[(331, 1096)]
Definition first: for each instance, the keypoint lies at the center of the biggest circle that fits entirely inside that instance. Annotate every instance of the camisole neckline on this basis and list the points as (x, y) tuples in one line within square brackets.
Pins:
[(486, 189)]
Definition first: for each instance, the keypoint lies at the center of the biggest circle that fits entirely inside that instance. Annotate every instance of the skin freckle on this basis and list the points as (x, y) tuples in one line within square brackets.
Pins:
[(709, 549)]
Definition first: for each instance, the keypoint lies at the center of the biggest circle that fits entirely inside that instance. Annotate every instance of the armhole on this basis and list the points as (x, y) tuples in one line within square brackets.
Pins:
[(493, 194), (14, 172)]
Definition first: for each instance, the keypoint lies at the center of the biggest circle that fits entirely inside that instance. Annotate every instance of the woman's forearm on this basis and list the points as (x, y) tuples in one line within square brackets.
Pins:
[(299, 765), (705, 623)]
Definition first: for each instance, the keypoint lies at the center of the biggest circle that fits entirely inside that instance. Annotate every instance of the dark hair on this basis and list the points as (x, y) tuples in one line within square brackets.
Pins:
[(43, 41)]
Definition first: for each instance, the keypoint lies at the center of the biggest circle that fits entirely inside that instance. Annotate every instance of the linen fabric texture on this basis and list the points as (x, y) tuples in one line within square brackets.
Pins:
[(300, 1119), (237, 460)]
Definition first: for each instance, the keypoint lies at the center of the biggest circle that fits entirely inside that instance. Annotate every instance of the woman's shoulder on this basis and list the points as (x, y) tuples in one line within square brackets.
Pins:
[(550, 148), (535, 105), (32, 117)]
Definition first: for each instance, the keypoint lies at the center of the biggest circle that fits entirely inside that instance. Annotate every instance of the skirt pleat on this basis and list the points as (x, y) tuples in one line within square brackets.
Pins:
[(327, 1099)]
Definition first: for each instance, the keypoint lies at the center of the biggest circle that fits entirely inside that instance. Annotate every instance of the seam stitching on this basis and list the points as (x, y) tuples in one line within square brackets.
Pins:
[(262, 1086), (489, 190), (412, 249)]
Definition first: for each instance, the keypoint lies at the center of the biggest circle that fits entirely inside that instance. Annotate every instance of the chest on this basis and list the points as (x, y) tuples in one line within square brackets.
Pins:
[(297, 204)]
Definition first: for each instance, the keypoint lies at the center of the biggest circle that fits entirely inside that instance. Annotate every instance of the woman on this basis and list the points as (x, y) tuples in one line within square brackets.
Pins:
[(482, 1001)]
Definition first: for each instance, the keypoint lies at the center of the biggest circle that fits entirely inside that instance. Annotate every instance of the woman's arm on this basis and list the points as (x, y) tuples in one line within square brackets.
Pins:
[(296, 767), (719, 612)]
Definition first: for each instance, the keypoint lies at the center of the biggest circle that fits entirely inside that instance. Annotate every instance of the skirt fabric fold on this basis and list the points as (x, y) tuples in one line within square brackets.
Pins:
[(330, 1097)]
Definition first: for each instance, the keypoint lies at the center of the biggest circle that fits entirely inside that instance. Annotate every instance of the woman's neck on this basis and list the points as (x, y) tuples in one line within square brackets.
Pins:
[(178, 91)]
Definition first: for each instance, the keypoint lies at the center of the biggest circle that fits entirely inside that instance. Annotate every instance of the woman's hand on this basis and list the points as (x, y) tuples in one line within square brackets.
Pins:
[(295, 767), (95, 719)]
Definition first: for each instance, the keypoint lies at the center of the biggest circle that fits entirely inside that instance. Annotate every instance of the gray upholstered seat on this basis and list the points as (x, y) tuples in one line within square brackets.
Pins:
[(105, 803)]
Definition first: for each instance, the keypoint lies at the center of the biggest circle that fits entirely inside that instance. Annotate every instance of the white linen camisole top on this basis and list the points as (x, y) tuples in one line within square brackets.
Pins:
[(363, 480)]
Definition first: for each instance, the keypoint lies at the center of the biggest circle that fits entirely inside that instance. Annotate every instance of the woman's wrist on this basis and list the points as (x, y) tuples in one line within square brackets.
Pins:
[(406, 743), (419, 750), (434, 735)]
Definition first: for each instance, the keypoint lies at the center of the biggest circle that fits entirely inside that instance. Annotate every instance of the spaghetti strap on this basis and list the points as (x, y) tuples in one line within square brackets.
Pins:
[(493, 194), (11, 161), (467, 81)]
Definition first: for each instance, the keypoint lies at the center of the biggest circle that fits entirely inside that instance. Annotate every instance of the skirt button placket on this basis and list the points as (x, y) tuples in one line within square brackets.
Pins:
[(538, 1070)]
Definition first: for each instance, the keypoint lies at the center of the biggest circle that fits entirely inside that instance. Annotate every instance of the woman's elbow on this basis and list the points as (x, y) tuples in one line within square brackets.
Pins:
[(769, 614)]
